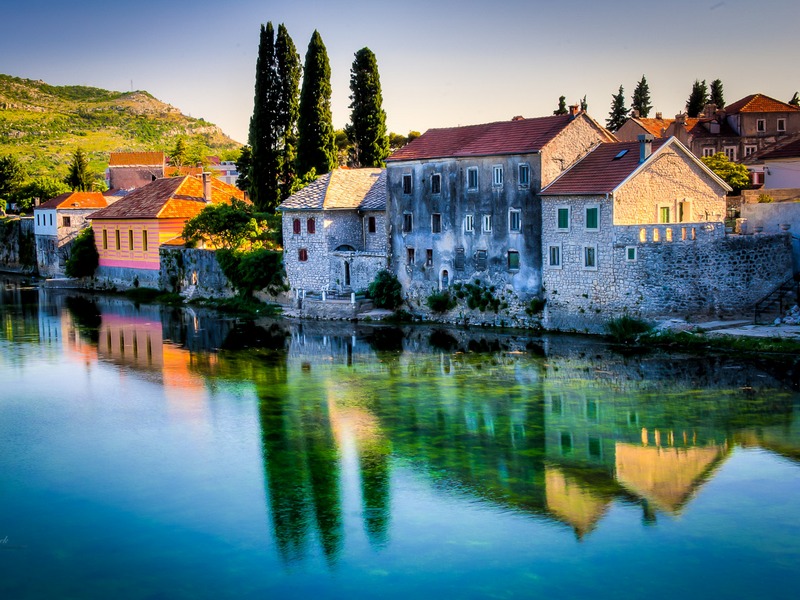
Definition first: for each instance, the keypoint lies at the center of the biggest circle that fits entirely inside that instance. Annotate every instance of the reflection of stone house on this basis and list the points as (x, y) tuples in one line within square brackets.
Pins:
[(462, 201), (57, 223), (637, 228), (334, 231), (129, 170)]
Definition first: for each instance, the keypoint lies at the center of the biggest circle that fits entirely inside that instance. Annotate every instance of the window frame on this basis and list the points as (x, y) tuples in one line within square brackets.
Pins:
[(436, 183), (589, 250), (514, 218), (761, 125), (660, 214), (429, 257), (587, 208), (559, 254), (144, 240), (66, 221), (408, 222), (709, 151), (436, 222), (302, 255), (730, 152), (130, 240), (781, 125), (470, 172), (411, 256), (487, 223), (524, 182), (311, 225), (750, 149), (296, 226), (481, 262), (117, 240), (105, 239), (497, 176), (372, 224), (628, 253), (559, 210), (407, 183), (469, 223), (509, 255)]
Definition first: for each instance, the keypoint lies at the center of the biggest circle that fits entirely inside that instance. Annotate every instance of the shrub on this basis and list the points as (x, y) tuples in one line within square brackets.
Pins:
[(385, 291), (440, 301), (627, 329), (535, 306), (765, 199), (83, 259), (253, 270)]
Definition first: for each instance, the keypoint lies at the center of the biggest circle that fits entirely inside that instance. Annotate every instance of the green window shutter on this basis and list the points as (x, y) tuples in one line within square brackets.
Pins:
[(563, 218), (591, 218)]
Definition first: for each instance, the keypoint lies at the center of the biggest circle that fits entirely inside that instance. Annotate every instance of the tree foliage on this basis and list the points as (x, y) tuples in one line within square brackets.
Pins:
[(385, 290), (257, 269), (641, 98), (697, 99), (243, 165), (795, 101), (367, 128), (562, 106), (618, 114), (717, 95), (584, 104), (287, 63), (179, 154), (83, 258), (735, 175), (12, 175), (232, 226), (79, 178), (43, 188), (316, 147)]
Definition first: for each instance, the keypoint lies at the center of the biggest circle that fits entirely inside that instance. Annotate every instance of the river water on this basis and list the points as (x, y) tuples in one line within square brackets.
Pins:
[(151, 452)]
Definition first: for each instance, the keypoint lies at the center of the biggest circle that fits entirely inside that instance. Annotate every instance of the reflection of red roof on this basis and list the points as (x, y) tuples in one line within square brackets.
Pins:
[(76, 201), (759, 103), (135, 159), (519, 136)]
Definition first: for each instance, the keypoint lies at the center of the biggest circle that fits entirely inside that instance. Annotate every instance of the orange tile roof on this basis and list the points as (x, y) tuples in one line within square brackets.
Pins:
[(178, 171), (136, 159), (76, 201), (759, 103), (654, 126)]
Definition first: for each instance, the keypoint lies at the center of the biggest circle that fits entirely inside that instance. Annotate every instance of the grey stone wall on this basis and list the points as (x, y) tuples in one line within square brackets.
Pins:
[(50, 258), (313, 274), (17, 245), (124, 278), (193, 272), (771, 217)]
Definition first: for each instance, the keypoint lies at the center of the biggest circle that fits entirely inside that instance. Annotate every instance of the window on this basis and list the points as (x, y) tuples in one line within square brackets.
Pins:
[(757, 177), (480, 260), (436, 223), (296, 227), (761, 125), (429, 257), (66, 222), (51, 219), (554, 257), (436, 183), (371, 228), (461, 259), (302, 255), (469, 223), (730, 152), (105, 239), (630, 253), (781, 124), (563, 218), (407, 183), (144, 240), (130, 240), (708, 151), (592, 218), (590, 257), (514, 221), (37, 220), (472, 178), (524, 172), (311, 225), (748, 150), (513, 260), (685, 211), (408, 222), (497, 176), (410, 257), (663, 214), (487, 223), (116, 236)]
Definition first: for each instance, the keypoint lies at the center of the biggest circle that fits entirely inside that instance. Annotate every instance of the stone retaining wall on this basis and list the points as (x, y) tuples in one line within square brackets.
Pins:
[(193, 272), (17, 245)]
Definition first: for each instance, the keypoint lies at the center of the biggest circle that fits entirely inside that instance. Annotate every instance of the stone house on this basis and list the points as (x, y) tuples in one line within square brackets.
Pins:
[(334, 231), (637, 228), (463, 201), (57, 223), (636, 126), (130, 170)]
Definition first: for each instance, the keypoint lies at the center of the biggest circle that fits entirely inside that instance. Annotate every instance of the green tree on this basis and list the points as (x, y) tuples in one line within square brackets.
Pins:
[(584, 104), (735, 175), (795, 101), (243, 166), (287, 62), (385, 290), (562, 106), (43, 188), (79, 178), (316, 148), (618, 114), (12, 175), (344, 149), (717, 95), (178, 156), (231, 226), (697, 99), (367, 128), (641, 98), (83, 257)]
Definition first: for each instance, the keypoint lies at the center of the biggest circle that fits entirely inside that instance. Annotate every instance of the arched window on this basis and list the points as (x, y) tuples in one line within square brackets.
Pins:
[(311, 226), (296, 226)]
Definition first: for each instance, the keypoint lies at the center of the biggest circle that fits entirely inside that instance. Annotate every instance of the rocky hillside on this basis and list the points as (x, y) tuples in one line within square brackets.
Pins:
[(42, 125)]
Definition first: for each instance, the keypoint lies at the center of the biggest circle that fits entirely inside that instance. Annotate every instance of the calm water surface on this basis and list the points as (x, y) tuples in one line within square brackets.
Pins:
[(163, 453)]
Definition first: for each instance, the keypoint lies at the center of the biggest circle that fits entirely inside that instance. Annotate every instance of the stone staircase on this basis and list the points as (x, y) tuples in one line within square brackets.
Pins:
[(777, 302)]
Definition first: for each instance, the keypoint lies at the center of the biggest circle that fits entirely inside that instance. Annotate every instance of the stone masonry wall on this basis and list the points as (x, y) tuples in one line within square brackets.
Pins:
[(314, 273), (193, 272), (17, 245)]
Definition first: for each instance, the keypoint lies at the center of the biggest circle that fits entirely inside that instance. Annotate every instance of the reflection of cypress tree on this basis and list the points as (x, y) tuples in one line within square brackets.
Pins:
[(375, 492), (86, 317)]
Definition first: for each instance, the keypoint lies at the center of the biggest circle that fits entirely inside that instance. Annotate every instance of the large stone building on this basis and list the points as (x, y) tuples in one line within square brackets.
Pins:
[(334, 231), (131, 170), (463, 203)]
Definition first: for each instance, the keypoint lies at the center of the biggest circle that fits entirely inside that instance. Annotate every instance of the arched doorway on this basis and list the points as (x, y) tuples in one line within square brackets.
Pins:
[(445, 279)]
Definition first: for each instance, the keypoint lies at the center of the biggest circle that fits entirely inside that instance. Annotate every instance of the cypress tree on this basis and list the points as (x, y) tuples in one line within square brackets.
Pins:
[(562, 106), (795, 101), (288, 65), (264, 155), (367, 128), (618, 115), (697, 99), (641, 98), (717, 96), (243, 165), (78, 177), (316, 147), (584, 104)]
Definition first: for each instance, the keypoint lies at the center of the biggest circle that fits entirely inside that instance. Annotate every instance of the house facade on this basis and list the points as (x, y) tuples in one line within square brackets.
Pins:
[(57, 223), (131, 170), (463, 201), (334, 231)]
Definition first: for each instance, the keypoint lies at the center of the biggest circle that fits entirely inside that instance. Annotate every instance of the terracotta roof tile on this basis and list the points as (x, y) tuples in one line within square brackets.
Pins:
[(342, 189), (136, 159), (170, 171), (654, 127), (759, 103), (76, 201)]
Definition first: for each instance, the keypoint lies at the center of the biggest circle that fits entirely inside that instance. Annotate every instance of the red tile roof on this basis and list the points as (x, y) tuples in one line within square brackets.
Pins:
[(170, 171), (600, 171), (654, 126), (136, 159), (759, 103), (76, 201), (519, 136)]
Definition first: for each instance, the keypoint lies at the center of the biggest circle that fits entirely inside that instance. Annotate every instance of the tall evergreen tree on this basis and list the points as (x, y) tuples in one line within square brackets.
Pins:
[(619, 114), (562, 106), (178, 156), (641, 98), (367, 128), (79, 178), (717, 97), (243, 165), (584, 104), (697, 99), (795, 101), (264, 154), (287, 62), (316, 147), (11, 176)]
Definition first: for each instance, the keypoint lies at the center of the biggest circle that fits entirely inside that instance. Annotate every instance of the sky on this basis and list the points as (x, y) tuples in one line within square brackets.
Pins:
[(442, 63)]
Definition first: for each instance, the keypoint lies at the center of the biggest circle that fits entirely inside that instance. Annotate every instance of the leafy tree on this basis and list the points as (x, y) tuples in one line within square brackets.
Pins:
[(735, 175), (43, 188), (178, 156), (257, 269), (83, 258), (316, 146), (344, 149), (618, 114), (717, 96), (287, 63), (385, 290), (412, 135), (243, 165), (396, 141), (367, 128), (562, 106), (231, 226), (11, 176), (641, 98), (697, 99), (79, 178), (795, 101)]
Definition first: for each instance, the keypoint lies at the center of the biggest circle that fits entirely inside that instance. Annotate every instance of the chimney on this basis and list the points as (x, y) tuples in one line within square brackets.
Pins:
[(709, 110), (634, 113), (207, 187), (659, 116), (518, 118), (680, 119), (645, 146), (574, 109)]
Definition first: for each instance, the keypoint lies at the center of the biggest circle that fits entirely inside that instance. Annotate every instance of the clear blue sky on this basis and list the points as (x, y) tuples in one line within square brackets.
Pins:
[(442, 63)]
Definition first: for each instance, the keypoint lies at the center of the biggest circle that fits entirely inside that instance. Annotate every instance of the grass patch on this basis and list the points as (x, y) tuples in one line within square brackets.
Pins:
[(699, 342), (625, 329)]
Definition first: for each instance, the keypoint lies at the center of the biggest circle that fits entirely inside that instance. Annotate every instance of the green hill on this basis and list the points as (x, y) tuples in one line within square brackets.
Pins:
[(42, 125)]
